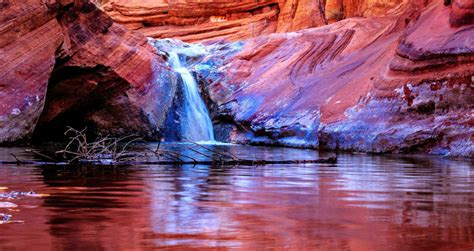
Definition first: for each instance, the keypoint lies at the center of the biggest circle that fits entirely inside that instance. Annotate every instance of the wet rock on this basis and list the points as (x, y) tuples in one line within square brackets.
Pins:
[(281, 103), (390, 125), (373, 85)]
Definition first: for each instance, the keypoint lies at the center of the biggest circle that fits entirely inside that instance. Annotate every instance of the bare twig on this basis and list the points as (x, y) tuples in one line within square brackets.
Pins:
[(243, 162), (79, 149), (115, 149), (17, 160), (41, 154), (174, 155), (215, 151), (171, 155), (200, 153)]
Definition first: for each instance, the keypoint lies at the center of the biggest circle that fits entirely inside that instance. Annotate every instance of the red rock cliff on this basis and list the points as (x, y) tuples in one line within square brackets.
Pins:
[(396, 78), (66, 63), (194, 20)]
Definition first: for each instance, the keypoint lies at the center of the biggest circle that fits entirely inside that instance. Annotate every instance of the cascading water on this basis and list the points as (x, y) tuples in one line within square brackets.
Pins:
[(199, 125), (195, 123)]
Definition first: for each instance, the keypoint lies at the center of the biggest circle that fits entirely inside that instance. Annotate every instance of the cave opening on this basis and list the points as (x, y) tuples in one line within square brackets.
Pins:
[(73, 96)]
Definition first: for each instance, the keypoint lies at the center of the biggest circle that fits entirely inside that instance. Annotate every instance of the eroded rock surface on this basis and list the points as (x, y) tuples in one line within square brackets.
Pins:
[(337, 10), (462, 12), (375, 84), (66, 63), (397, 78), (194, 20)]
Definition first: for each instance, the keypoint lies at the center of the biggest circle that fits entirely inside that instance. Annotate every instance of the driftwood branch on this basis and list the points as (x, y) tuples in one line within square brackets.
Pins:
[(104, 148), (114, 151), (18, 161), (229, 155), (174, 159), (200, 153)]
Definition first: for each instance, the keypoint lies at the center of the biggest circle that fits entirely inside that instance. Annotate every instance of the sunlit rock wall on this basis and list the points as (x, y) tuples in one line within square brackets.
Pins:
[(337, 10), (195, 20)]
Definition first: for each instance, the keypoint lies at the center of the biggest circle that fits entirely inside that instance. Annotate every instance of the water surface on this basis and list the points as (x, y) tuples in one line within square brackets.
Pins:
[(361, 203)]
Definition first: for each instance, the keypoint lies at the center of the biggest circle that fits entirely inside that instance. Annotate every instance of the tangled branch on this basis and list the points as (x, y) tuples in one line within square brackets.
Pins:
[(104, 148)]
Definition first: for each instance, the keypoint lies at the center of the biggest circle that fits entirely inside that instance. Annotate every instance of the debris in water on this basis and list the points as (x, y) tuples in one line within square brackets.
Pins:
[(15, 195), (6, 218), (7, 205)]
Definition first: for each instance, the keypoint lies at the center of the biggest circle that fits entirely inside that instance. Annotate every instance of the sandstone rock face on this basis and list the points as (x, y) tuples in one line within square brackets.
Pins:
[(194, 20), (66, 63), (24, 71), (375, 84), (462, 12), (337, 10), (397, 78)]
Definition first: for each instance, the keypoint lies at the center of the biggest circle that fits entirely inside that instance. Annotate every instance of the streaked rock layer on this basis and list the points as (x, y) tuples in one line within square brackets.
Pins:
[(195, 20), (397, 79), (375, 85)]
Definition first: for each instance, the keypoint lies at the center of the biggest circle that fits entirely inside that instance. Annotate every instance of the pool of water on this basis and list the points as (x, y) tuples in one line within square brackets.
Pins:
[(364, 202)]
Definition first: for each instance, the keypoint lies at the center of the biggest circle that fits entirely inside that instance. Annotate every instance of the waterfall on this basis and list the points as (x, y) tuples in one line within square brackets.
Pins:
[(196, 125)]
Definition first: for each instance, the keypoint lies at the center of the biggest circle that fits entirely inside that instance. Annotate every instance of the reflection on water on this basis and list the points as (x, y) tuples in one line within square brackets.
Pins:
[(361, 203)]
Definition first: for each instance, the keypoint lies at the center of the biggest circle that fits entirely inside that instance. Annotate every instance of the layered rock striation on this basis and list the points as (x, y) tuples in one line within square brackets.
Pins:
[(194, 20), (364, 84), (66, 63), (397, 77)]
